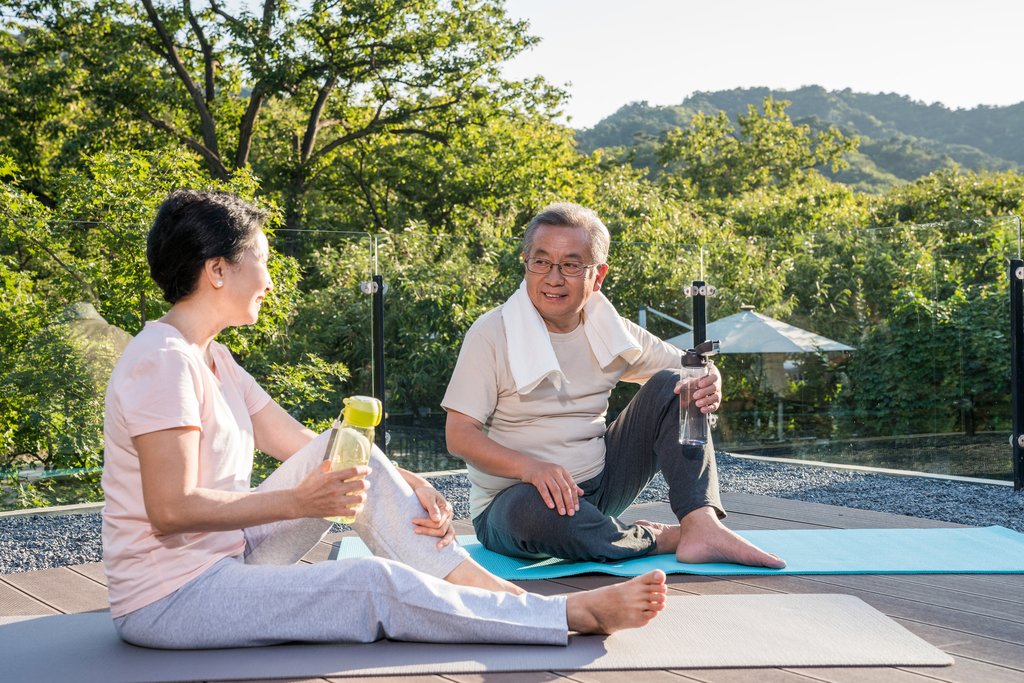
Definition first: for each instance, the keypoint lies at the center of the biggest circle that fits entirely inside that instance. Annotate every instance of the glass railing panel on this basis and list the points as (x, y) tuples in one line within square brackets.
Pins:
[(316, 346), (72, 295), (645, 283), (437, 287), (910, 366)]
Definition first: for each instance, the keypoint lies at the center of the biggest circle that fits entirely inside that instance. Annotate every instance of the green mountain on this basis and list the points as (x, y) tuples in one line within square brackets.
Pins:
[(901, 139)]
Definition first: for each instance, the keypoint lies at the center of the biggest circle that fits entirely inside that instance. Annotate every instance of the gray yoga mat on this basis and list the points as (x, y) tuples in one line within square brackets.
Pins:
[(714, 631)]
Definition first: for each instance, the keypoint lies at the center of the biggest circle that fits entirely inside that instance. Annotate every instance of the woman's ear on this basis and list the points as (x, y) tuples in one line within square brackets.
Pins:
[(213, 271)]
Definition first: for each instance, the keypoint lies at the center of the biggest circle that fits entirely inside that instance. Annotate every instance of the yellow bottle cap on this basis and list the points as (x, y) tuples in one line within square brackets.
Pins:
[(362, 411)]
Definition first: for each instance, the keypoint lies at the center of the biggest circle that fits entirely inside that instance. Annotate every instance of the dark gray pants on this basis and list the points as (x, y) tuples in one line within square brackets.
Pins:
[(644, 439)]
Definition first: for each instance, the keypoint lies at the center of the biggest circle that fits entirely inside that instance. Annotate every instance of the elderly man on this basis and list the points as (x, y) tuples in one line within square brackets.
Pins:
[(526, 411)]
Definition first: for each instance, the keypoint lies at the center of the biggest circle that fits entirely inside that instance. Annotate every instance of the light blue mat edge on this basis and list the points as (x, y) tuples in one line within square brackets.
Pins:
[(988, 550)]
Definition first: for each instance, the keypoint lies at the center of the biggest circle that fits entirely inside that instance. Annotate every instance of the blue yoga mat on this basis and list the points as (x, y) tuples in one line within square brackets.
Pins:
[(990, 550)]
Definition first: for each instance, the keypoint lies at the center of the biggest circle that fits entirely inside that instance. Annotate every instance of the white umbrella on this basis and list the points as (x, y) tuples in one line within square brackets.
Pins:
[(750, 332)]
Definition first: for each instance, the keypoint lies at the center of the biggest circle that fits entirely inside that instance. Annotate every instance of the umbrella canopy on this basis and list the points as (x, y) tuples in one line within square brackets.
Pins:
[(750, 332)]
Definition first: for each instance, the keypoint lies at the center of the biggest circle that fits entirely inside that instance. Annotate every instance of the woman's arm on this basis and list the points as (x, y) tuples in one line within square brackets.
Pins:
[(169, 465), (277, 433)]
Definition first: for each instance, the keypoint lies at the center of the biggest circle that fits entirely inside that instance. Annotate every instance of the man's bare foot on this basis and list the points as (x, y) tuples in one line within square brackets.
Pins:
[(703, 538), (469, 573), (666, 536), (617, 607)]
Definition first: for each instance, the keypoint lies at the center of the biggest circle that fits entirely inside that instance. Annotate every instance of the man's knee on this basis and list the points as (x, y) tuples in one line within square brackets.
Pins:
[(664, 379), (520, 515)]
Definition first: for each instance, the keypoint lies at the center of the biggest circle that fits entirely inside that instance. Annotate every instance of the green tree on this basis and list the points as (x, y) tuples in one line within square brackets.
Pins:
[(768, 150), (330, 75), (91, 247)]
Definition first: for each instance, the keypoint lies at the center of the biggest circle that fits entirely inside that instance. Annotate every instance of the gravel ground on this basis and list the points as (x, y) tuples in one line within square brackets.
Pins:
[(35, 542)]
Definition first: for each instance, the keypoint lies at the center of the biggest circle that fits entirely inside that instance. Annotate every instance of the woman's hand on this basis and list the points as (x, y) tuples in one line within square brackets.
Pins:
[(323, 493), (440, 513)]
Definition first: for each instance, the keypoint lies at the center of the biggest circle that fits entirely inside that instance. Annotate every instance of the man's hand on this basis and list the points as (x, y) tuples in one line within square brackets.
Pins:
[(709, 395), (323, 493), (555, 485), (440, 514)]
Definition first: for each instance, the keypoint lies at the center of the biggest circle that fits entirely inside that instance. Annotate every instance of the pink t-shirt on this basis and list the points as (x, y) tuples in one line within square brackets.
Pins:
[(161, 382)]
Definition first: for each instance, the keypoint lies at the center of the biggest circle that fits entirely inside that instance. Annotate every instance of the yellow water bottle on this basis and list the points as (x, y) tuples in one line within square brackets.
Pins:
[(351, 438)]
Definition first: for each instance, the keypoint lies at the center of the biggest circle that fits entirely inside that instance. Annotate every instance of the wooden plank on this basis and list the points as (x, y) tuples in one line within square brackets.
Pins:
[(866, 674), (318, 553), (762, 676), (544, 587), (636, 676), (661, 512), (933, 595), (1013, 581), (496, 677), (819, 513), (62, 589), (960, 644), (92, 570), (391, 679), (967, 670), (898, 607), (974, 584), (15, 603)]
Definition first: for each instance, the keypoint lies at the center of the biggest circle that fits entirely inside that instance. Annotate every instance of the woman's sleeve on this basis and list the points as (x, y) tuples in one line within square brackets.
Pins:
[(256, 398), (162, 391)]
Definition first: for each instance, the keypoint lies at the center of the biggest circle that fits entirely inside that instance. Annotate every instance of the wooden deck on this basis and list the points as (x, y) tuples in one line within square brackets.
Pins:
[(979, 619)]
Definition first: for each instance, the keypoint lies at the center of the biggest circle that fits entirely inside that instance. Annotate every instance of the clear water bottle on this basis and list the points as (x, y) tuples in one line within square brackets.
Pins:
[(697, 363), (352, 437)]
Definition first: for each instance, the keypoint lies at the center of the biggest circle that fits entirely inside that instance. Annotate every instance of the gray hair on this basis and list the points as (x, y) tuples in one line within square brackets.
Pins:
[(568, 215)]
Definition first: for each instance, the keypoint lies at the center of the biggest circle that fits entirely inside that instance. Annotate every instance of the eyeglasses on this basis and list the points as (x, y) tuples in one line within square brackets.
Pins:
[(568, 269)]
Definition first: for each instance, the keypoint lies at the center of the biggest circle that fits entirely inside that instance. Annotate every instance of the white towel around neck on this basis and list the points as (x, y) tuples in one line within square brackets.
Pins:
[(530, 354)]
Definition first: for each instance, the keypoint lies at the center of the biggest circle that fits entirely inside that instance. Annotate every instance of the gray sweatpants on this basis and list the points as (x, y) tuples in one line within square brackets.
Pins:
[(263, 597), (642, 440)]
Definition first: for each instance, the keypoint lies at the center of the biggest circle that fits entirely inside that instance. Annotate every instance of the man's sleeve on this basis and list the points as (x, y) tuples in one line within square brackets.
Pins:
[(656, 356), (473, 389)]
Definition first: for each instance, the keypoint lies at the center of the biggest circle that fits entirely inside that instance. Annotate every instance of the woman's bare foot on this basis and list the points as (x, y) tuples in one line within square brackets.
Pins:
[(619, 606), (666, 536), (703, 538), (469, 573)]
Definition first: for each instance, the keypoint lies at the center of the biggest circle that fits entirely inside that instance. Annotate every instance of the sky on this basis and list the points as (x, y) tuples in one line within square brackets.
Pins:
[(962, 53)]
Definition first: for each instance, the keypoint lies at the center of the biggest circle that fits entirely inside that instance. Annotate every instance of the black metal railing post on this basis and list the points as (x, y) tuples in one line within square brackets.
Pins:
[(1017, 369), (700, 322), (378, 360)]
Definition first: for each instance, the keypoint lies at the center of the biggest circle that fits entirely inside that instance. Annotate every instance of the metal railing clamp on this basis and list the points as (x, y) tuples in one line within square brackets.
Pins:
[(371, 287), (703, 290)]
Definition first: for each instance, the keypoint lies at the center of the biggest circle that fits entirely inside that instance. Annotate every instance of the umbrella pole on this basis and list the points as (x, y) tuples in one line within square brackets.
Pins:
[(780, 419)]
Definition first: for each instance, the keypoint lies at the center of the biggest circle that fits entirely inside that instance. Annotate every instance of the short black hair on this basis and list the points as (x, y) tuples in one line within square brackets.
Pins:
[(193, 226)]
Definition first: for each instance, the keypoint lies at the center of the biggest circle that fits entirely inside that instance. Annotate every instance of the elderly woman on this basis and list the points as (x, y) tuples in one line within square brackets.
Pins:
[(197, 560)]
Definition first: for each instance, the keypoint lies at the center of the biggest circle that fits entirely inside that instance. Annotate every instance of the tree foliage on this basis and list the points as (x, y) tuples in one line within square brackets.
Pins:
[(381, 138), (768, 150)]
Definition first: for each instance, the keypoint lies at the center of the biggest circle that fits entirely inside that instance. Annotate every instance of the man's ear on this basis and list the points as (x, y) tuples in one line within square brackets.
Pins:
[(602, 270)]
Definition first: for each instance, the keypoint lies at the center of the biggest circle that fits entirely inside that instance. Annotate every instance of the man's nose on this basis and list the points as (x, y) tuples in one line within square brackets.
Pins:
[(554, 276)]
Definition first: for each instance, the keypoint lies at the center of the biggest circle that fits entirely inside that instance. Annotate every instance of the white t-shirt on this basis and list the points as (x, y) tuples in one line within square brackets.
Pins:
[(564, 426), (161, 382)]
